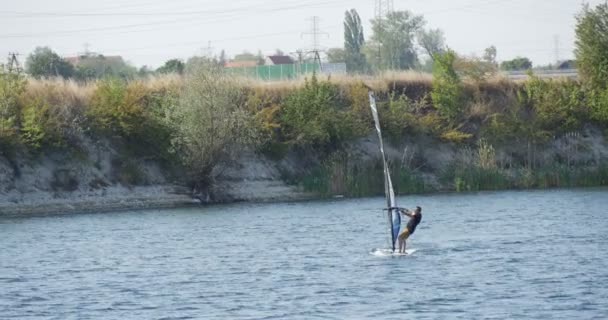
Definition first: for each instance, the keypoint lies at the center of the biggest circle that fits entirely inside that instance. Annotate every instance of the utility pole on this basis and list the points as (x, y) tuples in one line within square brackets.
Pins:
[(381, 10), (315, 32), (13, 65), (556, 49)]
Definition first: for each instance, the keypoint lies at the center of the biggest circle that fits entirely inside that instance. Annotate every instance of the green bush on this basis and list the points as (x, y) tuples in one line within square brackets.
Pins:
[(12, 85), (116, 109), (397, 116), (35, 125), (447, 93), (559, 105), (314, 116), (592, 44), (210, 124)]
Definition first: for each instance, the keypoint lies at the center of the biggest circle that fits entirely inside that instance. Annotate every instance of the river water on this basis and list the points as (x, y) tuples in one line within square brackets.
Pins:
[(525, 255)]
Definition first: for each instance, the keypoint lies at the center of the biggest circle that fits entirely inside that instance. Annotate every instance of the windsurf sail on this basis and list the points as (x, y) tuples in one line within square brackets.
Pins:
[(394, 219)]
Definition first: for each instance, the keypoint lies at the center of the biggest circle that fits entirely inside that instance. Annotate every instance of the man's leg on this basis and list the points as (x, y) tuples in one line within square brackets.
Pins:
[(402, 236)]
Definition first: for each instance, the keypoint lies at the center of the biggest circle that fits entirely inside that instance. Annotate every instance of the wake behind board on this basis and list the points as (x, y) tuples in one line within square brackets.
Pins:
[(390, 253)]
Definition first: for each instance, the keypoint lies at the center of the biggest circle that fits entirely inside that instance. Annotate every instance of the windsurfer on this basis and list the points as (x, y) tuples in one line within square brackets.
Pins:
[(415, 218)]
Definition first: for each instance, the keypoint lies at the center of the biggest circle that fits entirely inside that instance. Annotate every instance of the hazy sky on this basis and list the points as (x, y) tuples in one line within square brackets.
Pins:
[(149, 32)]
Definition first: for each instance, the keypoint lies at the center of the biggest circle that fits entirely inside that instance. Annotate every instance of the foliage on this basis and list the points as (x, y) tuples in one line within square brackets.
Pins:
[(474, 68), (354, 41), (12, 85), (518, 63), (486, 155), (393, 36), (340, 175), (98, 66), (313, 116), (39, 127), (456, 136), (397, 118), (336, 55), (432, 41), (447, 93), (248, 56), (115, 109), (592, 45), (489, 55), (172, 66), (559, 105), (43, 62), (210, 121)]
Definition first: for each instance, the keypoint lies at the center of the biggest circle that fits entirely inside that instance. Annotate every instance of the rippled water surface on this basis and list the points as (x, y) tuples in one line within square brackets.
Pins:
[(526, 255)]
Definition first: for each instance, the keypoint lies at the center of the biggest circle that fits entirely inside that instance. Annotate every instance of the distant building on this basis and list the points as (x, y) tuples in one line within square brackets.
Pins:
[(241, 64), (277, 60)]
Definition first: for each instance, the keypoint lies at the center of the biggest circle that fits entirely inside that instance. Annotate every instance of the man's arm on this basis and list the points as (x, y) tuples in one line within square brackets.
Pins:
[(406, 212)]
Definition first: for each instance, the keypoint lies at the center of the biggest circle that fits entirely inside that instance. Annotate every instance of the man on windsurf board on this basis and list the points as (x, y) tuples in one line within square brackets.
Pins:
[(415, 218)]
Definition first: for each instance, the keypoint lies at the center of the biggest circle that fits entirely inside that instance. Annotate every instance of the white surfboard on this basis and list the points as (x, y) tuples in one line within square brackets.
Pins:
[(390, 253)]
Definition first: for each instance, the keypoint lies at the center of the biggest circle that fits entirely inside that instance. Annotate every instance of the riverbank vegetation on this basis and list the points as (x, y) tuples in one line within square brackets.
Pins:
[(497, 133)]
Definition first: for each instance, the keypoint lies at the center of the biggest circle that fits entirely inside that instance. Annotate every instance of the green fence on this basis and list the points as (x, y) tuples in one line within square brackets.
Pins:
[(276, 72)]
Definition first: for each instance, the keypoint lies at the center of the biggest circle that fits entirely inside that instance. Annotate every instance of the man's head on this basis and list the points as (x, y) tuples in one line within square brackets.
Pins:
[(418, 209)]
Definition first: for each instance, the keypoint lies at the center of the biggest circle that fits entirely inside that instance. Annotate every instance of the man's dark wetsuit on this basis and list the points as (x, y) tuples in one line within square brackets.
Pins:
[(413, 223)]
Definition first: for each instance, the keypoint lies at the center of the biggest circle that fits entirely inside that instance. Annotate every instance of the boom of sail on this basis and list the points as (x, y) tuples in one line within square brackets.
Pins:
[(394, 219)]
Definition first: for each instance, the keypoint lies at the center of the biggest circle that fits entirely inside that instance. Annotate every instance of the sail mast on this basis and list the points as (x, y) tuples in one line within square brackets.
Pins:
[(394, 219)]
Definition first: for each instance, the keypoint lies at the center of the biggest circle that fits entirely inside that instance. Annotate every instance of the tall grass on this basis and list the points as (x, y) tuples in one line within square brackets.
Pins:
[(340, 175)]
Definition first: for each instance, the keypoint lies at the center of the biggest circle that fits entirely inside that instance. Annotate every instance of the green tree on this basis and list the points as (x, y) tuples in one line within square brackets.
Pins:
[(354, 40), (447, 93), (336, 55), (489, 55), (100, 66), (432, 41), (592, 45), (393, 37), (518, 63), (44, 62), (223, 58), (245, 56), (12, 85), (211, 122), (172, 66)]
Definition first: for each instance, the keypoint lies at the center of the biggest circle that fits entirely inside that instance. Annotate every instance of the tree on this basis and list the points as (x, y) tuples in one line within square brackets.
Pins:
[(474, 68), (246, 56), (394, 37), (144, 71), (211, 123), (172, 66), (336, 55), (260, 58), (592, 45), (518, 63), (432, 41), (100, 66), (354, 41), (489, 55), (43, 62), (447, 92), (222, 59)]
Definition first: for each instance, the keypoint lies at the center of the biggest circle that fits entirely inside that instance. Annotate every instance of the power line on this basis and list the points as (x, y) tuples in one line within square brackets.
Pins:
[(231, 14), (164, 14)]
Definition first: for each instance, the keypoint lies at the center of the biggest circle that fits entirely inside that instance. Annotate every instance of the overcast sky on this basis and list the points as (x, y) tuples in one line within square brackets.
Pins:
[(149, 32)]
